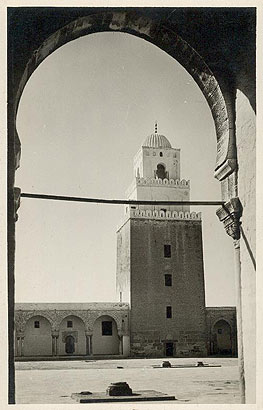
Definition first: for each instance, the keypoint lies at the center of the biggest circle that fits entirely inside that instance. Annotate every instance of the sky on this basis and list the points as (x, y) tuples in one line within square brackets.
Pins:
[(82, 117)]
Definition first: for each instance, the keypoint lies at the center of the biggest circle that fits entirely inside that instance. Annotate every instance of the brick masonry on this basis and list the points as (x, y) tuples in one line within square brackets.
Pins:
[(149, 327)]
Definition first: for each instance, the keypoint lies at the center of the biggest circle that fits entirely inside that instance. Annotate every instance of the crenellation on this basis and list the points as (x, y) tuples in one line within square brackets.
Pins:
[(159, 214), (158, 181)]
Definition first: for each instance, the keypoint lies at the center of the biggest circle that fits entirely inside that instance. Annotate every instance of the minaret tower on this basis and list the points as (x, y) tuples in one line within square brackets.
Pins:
[(157, 174), (160, 268)]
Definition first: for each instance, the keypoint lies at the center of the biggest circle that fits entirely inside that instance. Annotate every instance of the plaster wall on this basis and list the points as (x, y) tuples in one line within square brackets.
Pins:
[(105, 344), (163, 193), (147, 159), (246, 153), (153, 190), (37, 341), (123, 277)]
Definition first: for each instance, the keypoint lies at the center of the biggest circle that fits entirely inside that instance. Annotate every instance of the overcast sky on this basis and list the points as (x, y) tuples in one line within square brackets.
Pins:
[(83, 116)]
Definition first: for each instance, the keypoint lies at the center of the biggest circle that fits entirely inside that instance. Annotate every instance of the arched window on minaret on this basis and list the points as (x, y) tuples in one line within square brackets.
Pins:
[(161, 172)]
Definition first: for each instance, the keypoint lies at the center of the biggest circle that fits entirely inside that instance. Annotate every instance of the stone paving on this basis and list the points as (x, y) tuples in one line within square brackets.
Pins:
[(54, 381)]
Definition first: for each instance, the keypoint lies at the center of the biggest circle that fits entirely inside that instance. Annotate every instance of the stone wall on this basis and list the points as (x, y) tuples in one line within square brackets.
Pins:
[(150, 329)]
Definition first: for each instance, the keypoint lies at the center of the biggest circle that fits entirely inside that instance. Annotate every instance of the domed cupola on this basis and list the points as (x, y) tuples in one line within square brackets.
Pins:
[(156, 140)]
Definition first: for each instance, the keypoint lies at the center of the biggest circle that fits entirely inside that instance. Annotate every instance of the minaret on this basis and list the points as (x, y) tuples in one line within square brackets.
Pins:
[(160, 268), (157, 174)]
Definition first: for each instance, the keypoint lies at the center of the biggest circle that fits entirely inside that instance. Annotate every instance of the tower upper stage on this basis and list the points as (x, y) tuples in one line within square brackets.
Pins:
[(157, 175), (157, 159)]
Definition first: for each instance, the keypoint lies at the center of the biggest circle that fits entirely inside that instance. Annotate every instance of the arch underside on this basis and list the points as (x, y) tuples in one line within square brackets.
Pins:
[(166, 39)]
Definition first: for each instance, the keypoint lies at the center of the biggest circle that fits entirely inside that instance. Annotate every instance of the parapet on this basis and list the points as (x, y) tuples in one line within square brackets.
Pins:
[(167, 182), (160, 215)]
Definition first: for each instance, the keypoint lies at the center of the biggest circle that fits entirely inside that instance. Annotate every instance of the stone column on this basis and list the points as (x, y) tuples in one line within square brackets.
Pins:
[(19, 343), (88, 343), (55, 335), (56, 345), (230, 215), (90, 346), (22, 345), (120, 343), (53, 345), (18, 349)]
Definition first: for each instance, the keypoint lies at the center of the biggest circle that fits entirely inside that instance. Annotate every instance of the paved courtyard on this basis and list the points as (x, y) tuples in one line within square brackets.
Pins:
[(54, 381)]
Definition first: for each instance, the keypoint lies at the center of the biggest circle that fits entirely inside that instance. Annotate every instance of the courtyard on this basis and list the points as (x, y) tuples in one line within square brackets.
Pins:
[(53, 382)]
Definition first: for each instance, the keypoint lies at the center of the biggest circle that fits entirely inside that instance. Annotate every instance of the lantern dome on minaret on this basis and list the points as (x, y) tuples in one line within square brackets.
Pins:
[(156, 140), (157, 175)]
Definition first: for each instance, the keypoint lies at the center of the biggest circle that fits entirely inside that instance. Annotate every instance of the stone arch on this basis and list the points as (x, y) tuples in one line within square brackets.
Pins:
[(71, 326), (117, 317), (219, 318), (222, 340), (162, 36), (37, 336), (68, 314), (105, 338), (23, 317)]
